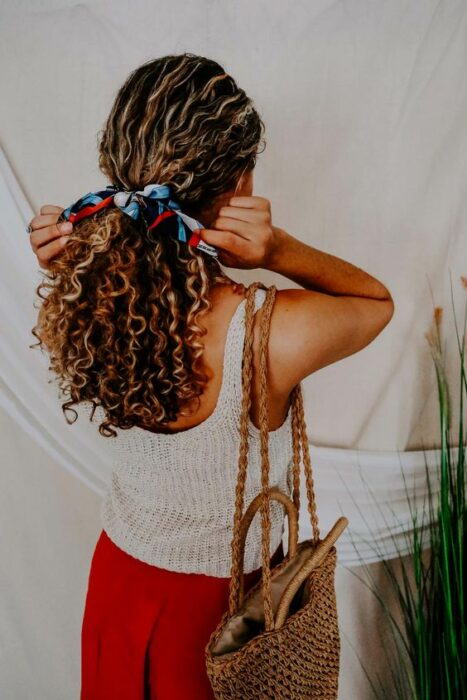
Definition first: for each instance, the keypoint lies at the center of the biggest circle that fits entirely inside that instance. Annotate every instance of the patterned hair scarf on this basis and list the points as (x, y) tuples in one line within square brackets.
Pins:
[(153, 205)]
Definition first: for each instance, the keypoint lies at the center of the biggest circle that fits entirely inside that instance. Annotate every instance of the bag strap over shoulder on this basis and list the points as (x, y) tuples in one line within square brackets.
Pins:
[(300, 445)]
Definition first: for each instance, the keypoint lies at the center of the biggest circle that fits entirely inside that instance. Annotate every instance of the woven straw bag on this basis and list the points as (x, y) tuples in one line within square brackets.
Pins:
[(280, 640)]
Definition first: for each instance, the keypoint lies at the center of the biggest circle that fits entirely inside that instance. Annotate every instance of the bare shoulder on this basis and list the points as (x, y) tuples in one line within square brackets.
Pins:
[(310, 330)]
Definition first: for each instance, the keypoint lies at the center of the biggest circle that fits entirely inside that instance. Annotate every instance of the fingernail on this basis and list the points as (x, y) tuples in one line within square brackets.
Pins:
[(66, 227), (63, 240)]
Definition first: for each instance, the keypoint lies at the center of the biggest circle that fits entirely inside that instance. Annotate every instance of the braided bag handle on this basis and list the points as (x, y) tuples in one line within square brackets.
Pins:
[(299, 443)]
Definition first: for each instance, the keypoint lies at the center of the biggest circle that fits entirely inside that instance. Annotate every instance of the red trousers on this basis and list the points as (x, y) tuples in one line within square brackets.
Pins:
[(145, 628)]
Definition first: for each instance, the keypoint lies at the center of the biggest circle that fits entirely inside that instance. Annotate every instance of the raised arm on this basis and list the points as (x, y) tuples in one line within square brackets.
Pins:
[(339, 311)]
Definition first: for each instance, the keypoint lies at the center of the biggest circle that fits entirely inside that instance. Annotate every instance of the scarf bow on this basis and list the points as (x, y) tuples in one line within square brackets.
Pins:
[(153, 203)]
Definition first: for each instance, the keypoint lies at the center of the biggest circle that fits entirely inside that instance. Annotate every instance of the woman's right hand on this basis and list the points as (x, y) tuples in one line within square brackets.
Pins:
[(47, 238), (243, 233)]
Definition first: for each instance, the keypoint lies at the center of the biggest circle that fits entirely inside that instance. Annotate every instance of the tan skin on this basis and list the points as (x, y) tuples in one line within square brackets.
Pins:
[(338, 311)]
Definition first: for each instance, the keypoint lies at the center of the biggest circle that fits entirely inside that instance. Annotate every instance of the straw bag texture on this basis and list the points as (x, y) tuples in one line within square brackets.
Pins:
[(280, 640)]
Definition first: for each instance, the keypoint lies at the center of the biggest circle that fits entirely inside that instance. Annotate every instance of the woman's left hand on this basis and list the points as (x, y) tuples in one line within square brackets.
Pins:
[(47, 238)]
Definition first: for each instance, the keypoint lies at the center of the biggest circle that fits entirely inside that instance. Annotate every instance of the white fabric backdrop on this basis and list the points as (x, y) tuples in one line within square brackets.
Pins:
[(365, 107)]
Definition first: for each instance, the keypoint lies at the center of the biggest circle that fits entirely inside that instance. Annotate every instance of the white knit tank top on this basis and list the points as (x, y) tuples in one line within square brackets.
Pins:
[(170, 501)]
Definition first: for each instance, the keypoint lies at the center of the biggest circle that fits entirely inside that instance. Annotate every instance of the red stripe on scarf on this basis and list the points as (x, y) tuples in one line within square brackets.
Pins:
[(162, 216), (87, 211), (194, 239)]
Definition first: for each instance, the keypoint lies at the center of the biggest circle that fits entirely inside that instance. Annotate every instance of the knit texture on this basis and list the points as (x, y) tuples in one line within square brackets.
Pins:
[(171, 497)]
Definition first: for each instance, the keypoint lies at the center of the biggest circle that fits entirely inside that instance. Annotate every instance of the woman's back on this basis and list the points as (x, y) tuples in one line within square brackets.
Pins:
[(225, 299), (171, 495)]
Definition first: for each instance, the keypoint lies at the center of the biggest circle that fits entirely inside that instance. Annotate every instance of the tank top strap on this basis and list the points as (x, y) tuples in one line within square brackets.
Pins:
[(231, 392)]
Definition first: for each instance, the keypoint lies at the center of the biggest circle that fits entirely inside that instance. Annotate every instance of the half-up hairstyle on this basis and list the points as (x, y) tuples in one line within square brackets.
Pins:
[(121, 305)]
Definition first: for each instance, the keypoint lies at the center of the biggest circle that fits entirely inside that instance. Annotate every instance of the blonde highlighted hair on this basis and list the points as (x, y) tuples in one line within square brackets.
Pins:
[(121, 305)]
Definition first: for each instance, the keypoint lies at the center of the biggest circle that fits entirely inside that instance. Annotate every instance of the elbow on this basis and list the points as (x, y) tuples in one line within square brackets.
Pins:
[(386, 312)]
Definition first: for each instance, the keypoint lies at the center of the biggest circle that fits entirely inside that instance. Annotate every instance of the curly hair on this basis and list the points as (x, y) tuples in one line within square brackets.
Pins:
[(121, 305)]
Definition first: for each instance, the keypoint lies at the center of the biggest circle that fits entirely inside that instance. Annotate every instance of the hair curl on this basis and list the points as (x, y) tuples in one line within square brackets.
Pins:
[(121, 305)]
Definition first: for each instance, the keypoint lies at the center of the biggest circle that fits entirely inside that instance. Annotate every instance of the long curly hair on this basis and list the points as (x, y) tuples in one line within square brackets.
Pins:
[(120, 305)]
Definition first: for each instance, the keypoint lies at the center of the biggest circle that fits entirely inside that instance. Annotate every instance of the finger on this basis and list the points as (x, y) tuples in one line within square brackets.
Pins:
[(49, 251), (42, 220), (45, 235), (224, 240), (251, 202), (50, 209), (226, 223), (241, 213)]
